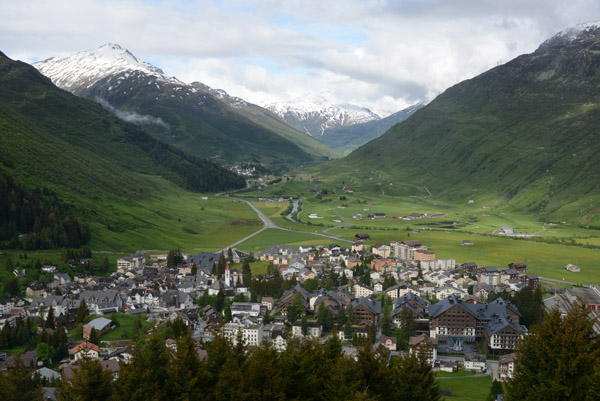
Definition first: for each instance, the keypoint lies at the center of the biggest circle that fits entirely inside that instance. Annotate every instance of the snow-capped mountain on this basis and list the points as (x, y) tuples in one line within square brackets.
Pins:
[(201, 119), (570, 34), (80, 71), (314, 114)]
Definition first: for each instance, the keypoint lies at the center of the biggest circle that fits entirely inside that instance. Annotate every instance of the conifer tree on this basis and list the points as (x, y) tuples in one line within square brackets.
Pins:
[(82, 312), (304, 325), (557, 360), (246, 272), (18, 384), (185, 371), (414, 380), (221, 266), (49, 318), (90, 383), (94, 337)]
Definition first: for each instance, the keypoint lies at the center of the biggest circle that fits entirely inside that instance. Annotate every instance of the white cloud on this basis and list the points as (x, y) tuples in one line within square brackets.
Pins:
[(379, 54)]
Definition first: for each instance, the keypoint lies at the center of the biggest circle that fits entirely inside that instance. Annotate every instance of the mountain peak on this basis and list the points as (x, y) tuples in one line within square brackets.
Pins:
[(83, 69), (316, 113), (570, 34)]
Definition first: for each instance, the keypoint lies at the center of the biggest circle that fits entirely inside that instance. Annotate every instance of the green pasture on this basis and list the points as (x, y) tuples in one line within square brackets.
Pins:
[(274, 236), (458, 373), (544, 259), (467, 388), (486, 214), (175, 219)]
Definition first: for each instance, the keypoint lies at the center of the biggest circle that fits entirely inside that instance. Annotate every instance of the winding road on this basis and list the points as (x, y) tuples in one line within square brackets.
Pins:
[(268, 223)]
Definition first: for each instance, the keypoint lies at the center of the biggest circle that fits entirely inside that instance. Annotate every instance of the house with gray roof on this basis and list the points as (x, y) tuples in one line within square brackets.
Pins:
[(366, 311)]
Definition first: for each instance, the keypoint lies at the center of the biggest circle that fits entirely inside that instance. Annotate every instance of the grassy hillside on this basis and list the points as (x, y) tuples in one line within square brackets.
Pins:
[(525, 132), (131, 189)]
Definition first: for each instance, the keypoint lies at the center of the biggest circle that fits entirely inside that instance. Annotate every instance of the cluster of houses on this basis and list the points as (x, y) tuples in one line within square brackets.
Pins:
[(281, 198), (244, 171), (448, 308), (411, 216)]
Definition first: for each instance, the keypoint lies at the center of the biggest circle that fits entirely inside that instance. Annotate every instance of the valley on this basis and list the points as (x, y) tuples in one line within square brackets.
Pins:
[(308, 248), (546, 254)]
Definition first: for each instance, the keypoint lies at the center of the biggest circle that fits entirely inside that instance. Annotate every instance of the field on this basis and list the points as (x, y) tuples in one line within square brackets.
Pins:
[(273, 236), (176, 219), (546, 254), (468, 388), (547, 260)]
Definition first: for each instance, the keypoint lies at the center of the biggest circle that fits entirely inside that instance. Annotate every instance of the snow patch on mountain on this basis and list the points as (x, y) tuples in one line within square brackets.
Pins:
[(82, 70), (570, 34)]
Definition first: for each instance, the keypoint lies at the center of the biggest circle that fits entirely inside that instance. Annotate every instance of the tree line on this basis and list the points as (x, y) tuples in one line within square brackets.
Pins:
[(36, 219), (304, 371)]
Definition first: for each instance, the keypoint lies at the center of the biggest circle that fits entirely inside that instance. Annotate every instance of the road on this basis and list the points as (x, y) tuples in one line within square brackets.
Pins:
[(561, 281), (268, 223)]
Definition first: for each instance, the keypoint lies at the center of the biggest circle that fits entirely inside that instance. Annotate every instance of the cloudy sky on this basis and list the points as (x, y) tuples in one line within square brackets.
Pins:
[(384, 55)]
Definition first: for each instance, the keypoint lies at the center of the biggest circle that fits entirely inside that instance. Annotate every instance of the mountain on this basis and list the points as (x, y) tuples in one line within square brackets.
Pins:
[(525, 131), (346, 139), (201, 120), (102, 167), (316, 114)]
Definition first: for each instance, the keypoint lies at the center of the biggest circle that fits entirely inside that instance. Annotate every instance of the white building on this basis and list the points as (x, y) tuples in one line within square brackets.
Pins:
[(361, 290), (252, 335), (475, 362), (314, 329), (250, 309)]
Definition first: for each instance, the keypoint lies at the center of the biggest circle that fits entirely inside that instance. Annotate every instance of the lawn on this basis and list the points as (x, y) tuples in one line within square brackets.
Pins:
[(467, 388), (125, 328), (458, 373), (15, 350), (122, 332), (258, 268)]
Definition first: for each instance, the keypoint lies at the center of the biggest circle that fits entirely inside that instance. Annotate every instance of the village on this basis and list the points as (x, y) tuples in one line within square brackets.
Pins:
[(398, 297)]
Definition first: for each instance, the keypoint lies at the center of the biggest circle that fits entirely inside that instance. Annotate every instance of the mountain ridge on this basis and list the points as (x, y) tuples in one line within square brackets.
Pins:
[(316, 114), (197, 118), (524, 131)]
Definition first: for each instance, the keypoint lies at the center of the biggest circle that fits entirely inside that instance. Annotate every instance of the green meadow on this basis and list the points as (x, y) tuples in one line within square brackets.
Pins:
[(467, 388), (546, 254), (175, 218), (274, 236)]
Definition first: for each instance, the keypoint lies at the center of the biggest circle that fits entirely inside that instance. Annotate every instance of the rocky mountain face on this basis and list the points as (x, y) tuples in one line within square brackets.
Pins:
[(199, 119), (525, 132)]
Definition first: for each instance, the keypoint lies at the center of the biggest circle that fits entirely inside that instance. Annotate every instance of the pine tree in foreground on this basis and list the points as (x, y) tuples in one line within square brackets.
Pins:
[(558, 360)]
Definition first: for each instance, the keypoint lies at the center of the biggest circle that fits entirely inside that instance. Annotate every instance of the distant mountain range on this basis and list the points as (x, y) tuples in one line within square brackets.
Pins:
[(315, 114), (526, 131), (203, 121), (347, 138), (342, 127)]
